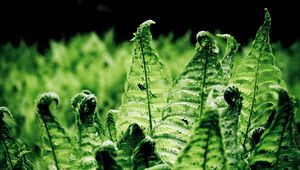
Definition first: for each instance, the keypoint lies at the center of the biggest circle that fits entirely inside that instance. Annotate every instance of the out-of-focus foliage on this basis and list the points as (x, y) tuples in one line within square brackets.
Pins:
[(100, 65)]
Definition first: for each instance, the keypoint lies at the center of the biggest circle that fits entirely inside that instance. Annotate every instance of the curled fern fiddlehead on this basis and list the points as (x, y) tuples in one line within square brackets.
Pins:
[(90, 134), (230, 128), (145, 155), (106, 156), (57, 148)]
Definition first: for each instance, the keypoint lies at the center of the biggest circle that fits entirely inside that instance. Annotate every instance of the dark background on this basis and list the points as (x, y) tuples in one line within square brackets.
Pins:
[(39, 21)]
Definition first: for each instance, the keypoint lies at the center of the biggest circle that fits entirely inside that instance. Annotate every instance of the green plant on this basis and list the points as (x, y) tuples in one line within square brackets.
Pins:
[(216, 115)]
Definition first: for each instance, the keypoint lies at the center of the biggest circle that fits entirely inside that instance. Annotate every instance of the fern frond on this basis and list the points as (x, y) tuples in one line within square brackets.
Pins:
[(146, 86), (89, 134), (14, 151), (254, 76), (230, 128), (187, 96), (106, 156), (276, 149), (57, 149), (145, 155), (205, 149), (230, 52), (126, 146), (111, 124)]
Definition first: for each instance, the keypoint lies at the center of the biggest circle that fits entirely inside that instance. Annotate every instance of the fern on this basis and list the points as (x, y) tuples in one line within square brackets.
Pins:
[(57, 149), (277, 150), (127, 144), (145, 155), (146, 85), (230, 128), (230, 52), (90, 136), (205, 149), (106, 156), (14, 151), (111, 124), (186, 97), (254, 77)]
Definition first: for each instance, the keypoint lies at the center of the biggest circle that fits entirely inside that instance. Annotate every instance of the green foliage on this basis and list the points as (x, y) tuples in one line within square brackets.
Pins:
[(230, 128), (14, 151), (146, 84), (145, 155), (277, 149), (90, 134), (184, 126), (127, 144), (186, 98), (57, 150), (106, 155), (255, 75), (205, 149), (110, 122)]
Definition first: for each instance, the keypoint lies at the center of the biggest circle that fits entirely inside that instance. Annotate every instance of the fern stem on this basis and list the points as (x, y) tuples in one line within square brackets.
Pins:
[(51, 144), (146, 83), (252, 103), (202, 88), (206, 149), (6, 151)]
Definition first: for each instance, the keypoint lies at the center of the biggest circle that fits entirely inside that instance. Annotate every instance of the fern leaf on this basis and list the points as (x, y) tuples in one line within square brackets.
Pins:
[(230, 52), (106, 156), (146, 86), (276, 149), (145, 155), (14, 151), (230, 128), (111, 124), (57, 149), (89, 135), (126, 146), (254, 77), (186, 97), (205, 149)]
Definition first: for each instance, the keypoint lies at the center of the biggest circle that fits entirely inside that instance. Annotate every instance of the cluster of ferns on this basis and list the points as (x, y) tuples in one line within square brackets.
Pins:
[(210, 117)]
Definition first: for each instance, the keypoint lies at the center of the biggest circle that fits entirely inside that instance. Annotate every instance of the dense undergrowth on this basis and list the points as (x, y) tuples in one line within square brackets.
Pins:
[(215, 106)]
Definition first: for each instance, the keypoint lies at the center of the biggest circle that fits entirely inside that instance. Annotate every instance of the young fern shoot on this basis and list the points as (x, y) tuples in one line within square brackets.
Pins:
[(89, 133), (230, 128), (57, 150)]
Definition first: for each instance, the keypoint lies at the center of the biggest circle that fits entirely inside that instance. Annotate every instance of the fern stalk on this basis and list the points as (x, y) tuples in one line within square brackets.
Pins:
[(146, 84), (252, 103)]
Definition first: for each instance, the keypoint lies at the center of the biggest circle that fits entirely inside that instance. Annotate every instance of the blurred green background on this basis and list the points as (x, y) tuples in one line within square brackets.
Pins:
[(87, 61)]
